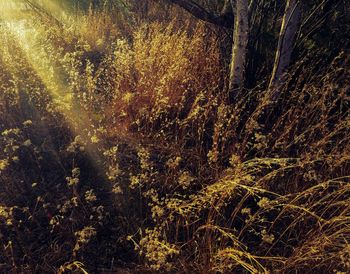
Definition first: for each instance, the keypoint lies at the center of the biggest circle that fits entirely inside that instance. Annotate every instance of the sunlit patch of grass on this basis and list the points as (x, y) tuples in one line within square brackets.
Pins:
[(43, 59)]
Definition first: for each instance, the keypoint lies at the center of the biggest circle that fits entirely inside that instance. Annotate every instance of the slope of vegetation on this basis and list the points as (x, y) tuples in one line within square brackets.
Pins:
[(125, 147)]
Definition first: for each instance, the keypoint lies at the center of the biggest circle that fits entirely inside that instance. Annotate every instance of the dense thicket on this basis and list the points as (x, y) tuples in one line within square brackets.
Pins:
[(129, 145)]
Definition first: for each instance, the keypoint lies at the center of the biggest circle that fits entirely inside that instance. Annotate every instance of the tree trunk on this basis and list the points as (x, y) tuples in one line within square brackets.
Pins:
[(240, 42), (288, 32)]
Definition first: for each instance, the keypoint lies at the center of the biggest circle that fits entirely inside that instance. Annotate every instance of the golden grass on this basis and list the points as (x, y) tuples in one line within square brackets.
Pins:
[(147, 162)]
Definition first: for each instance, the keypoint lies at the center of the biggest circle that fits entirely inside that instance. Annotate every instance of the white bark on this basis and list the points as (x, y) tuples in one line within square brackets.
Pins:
[(288, 32), (240, 42)]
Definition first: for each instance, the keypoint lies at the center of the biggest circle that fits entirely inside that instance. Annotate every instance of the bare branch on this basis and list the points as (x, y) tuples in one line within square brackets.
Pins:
[(224, 19)]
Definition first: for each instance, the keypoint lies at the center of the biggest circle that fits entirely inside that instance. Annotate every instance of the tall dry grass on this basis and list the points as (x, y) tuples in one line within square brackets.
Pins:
[(168, 175)]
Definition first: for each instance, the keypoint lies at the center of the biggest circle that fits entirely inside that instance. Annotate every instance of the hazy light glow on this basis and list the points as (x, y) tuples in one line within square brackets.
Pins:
[(16, 18)]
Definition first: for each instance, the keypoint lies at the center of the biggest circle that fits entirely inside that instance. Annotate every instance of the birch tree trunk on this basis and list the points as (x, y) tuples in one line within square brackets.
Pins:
[(240, 42), (288, 32)]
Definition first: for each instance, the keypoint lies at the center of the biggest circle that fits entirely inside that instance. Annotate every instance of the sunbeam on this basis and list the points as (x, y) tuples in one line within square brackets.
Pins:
[(29, 34)]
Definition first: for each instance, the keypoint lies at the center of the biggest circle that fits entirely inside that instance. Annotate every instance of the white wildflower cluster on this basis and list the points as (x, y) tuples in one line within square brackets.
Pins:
[(74, 180)]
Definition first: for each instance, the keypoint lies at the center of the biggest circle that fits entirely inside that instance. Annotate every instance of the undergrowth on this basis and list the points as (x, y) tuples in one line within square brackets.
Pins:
[(120, 149)]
